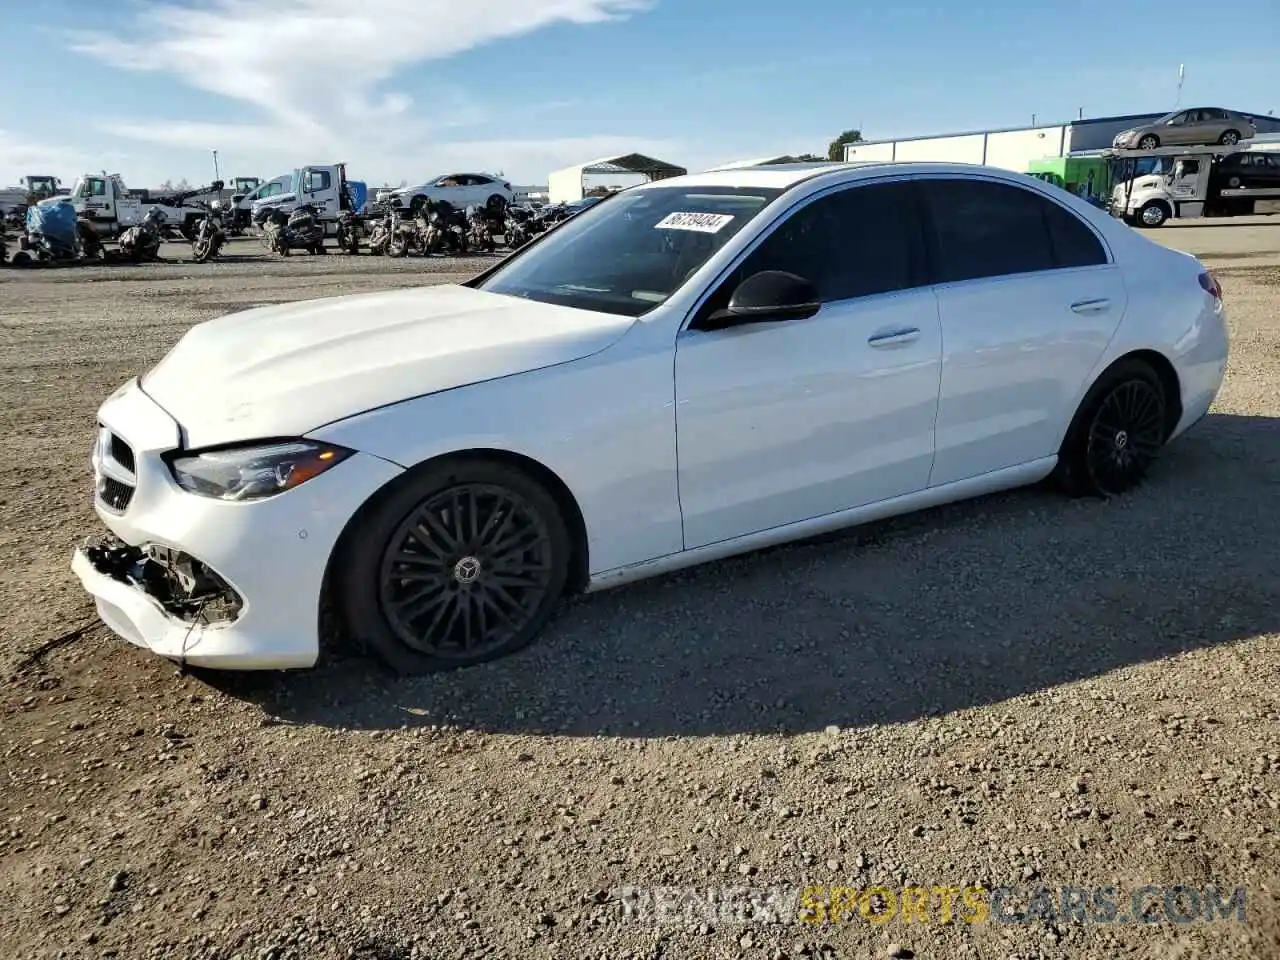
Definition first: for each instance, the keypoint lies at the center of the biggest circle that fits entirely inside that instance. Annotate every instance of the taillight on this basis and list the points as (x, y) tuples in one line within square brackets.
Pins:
[(1210, 285)]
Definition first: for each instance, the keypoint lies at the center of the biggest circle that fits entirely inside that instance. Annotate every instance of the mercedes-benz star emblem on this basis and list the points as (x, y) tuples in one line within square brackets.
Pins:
[(1122, 439), (466, 570)]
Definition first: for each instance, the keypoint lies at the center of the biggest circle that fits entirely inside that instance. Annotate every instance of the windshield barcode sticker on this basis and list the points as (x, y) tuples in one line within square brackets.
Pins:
[(701, 222)]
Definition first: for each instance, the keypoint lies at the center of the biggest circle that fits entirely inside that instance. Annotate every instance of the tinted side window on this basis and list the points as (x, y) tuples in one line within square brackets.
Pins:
[(855, 243), (1074, 244), (986, 229)]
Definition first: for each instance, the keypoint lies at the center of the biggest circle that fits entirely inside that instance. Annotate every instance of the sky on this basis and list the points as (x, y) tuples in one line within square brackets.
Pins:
[(410, 89)]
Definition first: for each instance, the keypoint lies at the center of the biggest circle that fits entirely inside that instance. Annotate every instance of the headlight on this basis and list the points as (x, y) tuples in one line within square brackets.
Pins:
[(257, 472)]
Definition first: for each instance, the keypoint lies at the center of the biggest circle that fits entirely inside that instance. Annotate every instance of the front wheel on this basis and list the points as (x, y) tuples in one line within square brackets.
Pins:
[(1117, 433), (1149, 142), (459, 564), (1153, 214)]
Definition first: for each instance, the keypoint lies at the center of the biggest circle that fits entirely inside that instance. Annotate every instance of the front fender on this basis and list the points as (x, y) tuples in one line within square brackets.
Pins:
[(604, 425)]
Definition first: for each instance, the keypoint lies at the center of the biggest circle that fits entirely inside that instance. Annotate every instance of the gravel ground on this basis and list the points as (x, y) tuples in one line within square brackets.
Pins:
[(1020, 691)]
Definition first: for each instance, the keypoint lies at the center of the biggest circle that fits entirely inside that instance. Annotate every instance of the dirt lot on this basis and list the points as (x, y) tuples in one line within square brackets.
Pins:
[(1021, 691)]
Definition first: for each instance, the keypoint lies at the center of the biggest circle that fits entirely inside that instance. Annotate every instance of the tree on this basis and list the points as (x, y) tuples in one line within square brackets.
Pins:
[(835, 151)]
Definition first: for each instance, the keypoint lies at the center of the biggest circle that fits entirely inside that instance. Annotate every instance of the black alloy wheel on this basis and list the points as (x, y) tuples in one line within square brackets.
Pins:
[(1116, 434), (465, 571), (1125, 436), (460, 563)]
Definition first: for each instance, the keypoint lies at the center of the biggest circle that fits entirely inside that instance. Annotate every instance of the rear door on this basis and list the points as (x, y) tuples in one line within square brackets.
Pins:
[(1211, 125), (1029, 301)]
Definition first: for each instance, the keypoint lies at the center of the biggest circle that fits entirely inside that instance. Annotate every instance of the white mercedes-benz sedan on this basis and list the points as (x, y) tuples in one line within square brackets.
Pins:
[(690, 369)]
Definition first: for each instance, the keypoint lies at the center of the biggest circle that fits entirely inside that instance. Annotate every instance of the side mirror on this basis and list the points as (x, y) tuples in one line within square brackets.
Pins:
[(769, 295)]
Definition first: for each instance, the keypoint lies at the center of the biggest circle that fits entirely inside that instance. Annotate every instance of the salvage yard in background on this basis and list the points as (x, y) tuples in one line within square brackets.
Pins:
[(1018, 689)]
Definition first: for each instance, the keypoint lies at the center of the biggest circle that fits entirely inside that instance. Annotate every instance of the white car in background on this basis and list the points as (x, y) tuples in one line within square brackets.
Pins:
[(687, 370), (460, 189)]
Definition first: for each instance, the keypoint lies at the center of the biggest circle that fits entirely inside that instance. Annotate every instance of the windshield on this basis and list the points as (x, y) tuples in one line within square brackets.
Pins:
[(630, 254)]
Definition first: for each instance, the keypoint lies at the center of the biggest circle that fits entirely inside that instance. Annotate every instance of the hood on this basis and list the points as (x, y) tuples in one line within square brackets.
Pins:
[(284, 370)]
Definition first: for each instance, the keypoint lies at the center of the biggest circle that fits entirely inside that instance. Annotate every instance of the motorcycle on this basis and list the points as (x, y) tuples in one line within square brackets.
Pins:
[(349, 232), (227, 216), (380, 235), (517, 231), (300, 230), (88, 238), (409, 232), (208, 240), (450, 225), (480, 230), (142, 242)]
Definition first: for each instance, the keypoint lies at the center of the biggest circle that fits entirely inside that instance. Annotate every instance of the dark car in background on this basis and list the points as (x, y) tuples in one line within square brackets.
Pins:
[(1249, 168)]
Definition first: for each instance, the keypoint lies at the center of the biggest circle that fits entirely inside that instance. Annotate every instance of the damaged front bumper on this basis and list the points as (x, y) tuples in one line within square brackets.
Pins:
[(174, 605), (184, 587)]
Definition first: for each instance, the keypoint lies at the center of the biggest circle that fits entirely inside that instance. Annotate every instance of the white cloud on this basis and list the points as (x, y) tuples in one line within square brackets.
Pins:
[(21, 156), (317, 72)]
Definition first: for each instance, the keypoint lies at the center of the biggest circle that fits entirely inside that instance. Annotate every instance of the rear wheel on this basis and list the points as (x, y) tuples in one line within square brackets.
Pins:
[(1229, 137), (1117, 433), (460, 564)]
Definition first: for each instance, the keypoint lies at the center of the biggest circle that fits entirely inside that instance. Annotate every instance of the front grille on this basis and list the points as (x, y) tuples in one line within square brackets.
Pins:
[(114, 470), (115, 494), (122, 453)]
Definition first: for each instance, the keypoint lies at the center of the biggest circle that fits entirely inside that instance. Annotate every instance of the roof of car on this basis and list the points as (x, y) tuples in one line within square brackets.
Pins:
[(786, 175)]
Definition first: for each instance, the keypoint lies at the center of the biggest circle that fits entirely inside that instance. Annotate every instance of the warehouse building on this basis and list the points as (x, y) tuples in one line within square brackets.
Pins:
[(1015, 147)]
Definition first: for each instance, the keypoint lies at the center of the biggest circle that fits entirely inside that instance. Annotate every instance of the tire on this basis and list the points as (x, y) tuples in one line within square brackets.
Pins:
[(1233, 182), (497, 204), (371, 598), (1229, 138), (397, 247), (1117, 433), (417, 203), (1149, 142), (1153, 214)]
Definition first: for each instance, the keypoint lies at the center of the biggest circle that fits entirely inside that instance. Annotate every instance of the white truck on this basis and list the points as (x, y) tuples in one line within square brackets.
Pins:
[(324, 186), (1155, 186), (105, 201), (244, 195)]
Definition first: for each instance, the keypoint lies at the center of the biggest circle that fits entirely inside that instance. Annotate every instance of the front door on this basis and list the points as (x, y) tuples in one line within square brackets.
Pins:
[(96, 199), (779, 422), (1029, 301)]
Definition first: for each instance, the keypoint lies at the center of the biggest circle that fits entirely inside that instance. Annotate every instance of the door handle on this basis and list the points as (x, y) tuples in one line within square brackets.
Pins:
[(895, 338), (1100, 305)]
